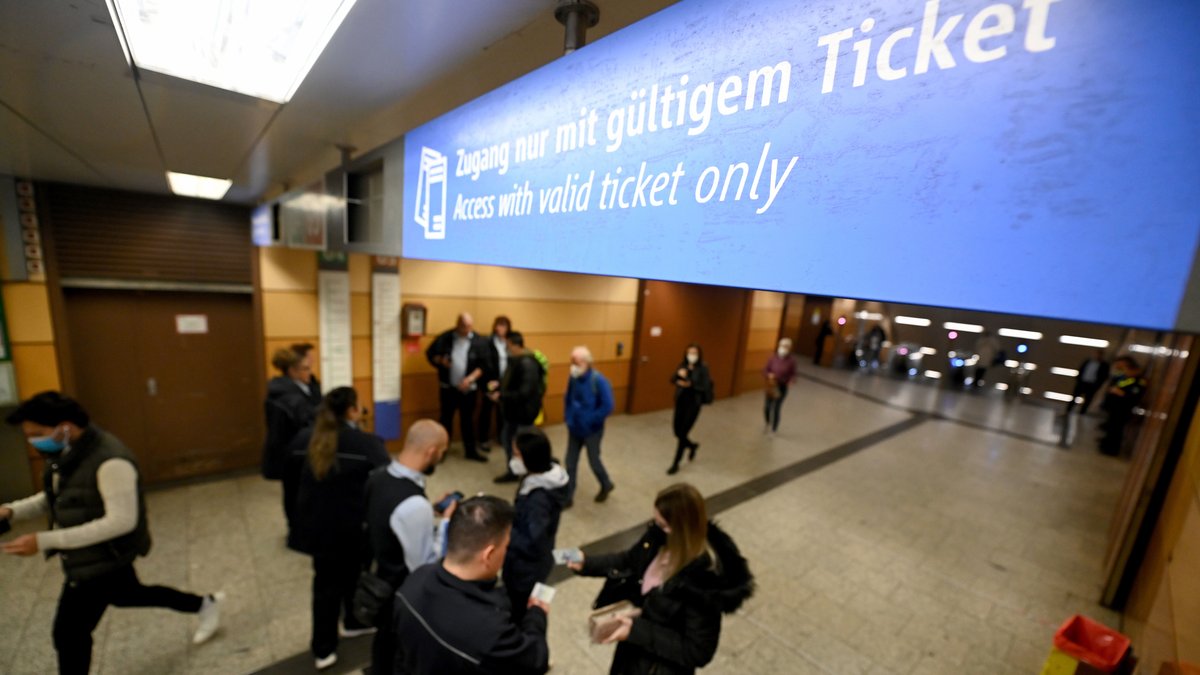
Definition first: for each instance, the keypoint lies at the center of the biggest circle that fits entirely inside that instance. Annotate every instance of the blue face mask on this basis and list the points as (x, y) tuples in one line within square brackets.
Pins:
[(48, 443)]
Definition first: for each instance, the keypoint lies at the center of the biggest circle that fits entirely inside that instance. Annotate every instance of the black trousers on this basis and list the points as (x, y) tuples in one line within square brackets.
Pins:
[(455, 401), (1087, 391), (291, 488), (773, 406), (82, 605), (489, 412), (383, 649), (334, 579), (687, 411)]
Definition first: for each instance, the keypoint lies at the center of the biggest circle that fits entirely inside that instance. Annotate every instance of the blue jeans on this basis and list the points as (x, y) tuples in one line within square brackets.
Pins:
[(593, 453)]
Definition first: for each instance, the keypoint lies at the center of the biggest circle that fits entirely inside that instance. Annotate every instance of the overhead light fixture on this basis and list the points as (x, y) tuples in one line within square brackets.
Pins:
[(1025, 390), (964, 327), (187, 185), (1022, 334), (1083, 341), (1011, 364), (1055, 396), (928, 351), (1030, 366), (868, 316), (261, 48), (933, 375), (1002, 386), (1067, 372), (911, 321)]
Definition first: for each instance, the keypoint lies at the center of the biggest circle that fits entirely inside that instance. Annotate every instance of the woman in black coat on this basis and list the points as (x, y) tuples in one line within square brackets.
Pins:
[(693, 388), (335, 459), (682, 575)]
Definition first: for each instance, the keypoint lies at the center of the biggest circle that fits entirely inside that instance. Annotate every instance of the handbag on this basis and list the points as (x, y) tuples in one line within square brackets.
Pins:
[(372, 595), (603, 621)]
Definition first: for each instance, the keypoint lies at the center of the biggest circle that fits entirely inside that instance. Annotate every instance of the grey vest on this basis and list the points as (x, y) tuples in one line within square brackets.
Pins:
[(76, 501)]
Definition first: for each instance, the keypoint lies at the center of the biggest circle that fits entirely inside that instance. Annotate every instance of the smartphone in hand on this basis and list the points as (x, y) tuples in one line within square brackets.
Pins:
[(543, 593), (441, 506)]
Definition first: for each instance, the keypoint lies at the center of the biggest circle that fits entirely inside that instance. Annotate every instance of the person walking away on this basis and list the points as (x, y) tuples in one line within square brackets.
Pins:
[(519, 396), (497, 365), (588, 402), (825, 331), (335, 459), (400, 522), (1093, 373), (779, 373), (460, 357), (97, 512), (538, 505), (682, 575), (987, 348), (292, 400), (693, 388)]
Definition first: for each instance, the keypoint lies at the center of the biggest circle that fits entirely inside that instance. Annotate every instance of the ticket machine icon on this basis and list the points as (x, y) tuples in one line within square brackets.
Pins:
[(431, 194)]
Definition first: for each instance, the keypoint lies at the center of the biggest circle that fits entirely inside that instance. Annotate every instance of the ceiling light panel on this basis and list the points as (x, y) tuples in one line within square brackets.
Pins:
[(187, 185), (963, 327), (1022, 334), (912, 321), (261, 48)]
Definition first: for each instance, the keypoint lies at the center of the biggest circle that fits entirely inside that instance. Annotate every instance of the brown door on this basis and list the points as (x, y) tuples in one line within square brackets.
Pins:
[(185, 402), (814, 306), (672, 315)]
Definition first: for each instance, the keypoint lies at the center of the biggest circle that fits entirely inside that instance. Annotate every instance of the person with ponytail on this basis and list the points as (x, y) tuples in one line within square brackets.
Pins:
[(682, 576), (335, 458)]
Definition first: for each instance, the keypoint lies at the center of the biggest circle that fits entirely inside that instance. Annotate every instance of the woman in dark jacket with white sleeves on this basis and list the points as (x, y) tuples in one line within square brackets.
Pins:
[(683, 575)]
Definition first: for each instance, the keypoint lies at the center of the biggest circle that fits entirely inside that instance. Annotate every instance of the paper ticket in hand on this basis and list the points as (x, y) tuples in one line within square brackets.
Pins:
[(543, 593), (562, 556)]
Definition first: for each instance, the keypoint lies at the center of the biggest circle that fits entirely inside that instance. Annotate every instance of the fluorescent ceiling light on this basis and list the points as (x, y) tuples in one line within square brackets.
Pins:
[(1068, 372), (964, 327), (869, 316), (928, 351), (1083, 341), (912, 321), (1030, 366), (1011, 364), (261, 48), (1025, 390), (1055, 396), (187, 185), (1002, 386), (1022, 334), (933, 374)]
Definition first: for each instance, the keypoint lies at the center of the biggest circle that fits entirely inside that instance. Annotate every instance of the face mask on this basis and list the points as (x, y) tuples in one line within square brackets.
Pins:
[(516, 466), (782, 352), (693, 358), (49, 443), (576, 371)]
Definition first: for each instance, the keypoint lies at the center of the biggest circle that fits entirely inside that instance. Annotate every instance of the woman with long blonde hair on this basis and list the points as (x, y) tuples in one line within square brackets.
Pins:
[(682, 576), (336, 458)]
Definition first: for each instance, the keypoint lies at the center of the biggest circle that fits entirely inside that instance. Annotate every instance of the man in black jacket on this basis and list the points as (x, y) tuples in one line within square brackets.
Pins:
[(452, 618), (519, 394), (97, 514), (461, 359)]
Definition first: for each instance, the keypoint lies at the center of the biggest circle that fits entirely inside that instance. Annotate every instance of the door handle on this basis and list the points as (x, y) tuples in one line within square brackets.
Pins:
[(152, 387)]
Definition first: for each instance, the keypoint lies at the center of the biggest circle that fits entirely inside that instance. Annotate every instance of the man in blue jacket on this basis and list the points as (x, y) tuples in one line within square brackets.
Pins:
[(588, 402)]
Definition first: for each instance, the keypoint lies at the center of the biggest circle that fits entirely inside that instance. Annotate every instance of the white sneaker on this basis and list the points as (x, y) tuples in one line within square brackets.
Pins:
[(210, 617), (355, 632), (326, 662)]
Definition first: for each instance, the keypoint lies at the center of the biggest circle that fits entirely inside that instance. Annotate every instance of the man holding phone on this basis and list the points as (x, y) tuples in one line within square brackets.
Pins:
[(401, 522)]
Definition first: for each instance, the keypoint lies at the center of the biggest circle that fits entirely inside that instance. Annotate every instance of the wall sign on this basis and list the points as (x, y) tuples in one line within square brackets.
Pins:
[(1029, 157), (191, 324)]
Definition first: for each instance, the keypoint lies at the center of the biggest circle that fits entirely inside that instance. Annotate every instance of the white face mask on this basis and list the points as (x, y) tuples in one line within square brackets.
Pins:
[(782, 352), (693, 358), (516, 466), (576, 371)]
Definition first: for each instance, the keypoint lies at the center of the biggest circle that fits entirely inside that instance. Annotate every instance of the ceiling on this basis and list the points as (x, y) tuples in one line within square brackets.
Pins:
[(72, 111)]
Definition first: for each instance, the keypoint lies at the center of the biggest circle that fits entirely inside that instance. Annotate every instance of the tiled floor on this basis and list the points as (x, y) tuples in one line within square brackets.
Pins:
[(942, 549)]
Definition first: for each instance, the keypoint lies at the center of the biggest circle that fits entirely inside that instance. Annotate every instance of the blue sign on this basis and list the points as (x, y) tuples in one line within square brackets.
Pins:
[(1031, 157)]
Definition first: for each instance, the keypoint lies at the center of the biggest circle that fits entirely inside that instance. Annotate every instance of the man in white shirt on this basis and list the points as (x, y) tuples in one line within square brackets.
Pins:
[(97, 518)]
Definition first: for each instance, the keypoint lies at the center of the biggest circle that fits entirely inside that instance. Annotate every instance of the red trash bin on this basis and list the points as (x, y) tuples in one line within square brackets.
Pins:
[(1092, 643)]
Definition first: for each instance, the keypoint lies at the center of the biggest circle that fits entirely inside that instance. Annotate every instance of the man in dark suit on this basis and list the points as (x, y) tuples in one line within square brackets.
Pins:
[(461, 359), (1092, 374)]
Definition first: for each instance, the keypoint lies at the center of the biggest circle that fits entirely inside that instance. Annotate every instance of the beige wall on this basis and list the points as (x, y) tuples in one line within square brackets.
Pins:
[(766, 316), (1163, 614), (554, 311)]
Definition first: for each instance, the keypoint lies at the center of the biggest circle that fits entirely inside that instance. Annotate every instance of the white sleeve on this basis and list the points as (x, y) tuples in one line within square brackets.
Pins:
[(29, 507), (412, 523), (116, 480)]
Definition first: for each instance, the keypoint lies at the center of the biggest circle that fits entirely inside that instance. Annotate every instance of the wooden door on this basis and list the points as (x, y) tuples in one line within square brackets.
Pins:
[(806, 340), (185, 402), (671, 315)]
